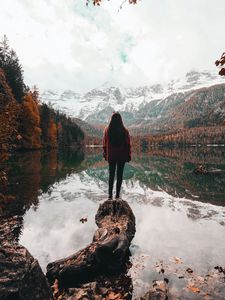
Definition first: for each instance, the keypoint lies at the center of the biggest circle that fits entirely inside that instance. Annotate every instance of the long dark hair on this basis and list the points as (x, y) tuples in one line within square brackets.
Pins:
[(116, 130)]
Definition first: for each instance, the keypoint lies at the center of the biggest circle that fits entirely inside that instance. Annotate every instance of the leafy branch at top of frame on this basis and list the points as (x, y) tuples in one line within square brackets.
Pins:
[(98, 2), (220, 63)]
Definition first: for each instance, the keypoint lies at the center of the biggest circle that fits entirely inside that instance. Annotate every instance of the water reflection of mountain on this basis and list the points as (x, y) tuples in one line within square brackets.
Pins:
[(171, 170)]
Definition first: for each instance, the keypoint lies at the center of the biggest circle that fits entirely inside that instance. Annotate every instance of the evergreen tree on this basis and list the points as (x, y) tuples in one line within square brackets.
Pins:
[(8, 115), (12, 68), (35, 93), (45, 114)]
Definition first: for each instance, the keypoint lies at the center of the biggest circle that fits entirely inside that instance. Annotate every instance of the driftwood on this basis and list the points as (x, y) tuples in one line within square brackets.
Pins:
[(107, 254), (201, 170)]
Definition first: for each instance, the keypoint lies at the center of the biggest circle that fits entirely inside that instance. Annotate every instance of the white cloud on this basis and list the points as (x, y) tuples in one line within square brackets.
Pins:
[(64, 44)]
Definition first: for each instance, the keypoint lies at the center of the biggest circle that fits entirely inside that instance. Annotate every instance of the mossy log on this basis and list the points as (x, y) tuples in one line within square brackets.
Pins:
[(107, 254)]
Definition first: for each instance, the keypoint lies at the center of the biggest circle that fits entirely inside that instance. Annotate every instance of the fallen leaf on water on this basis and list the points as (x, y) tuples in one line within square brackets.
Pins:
[(189, 270), (177, 260), (193, 288), (159, 285), (200, 279), (83, 220), (113, 296), (220, 269), (166, 280), (207, 296)]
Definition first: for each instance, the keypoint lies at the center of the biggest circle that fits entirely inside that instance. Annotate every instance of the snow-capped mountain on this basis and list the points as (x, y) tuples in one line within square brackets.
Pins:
[(139, 105)]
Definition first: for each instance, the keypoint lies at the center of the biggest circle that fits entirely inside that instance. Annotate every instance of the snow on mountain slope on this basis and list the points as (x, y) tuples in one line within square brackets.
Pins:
[(96, 105)]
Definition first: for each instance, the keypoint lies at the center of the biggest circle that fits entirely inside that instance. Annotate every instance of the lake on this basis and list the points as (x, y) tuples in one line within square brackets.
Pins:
[(180, 216)]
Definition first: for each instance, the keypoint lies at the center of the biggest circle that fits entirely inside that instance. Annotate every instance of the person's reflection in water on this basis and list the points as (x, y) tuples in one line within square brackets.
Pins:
[(116, 150)]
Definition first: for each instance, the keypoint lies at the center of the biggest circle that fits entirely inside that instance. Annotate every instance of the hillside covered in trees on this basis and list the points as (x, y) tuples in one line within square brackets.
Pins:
[(195, 118), (25, 122)]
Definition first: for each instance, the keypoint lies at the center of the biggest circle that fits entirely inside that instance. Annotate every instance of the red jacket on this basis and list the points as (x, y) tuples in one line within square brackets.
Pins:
[(116, 153)]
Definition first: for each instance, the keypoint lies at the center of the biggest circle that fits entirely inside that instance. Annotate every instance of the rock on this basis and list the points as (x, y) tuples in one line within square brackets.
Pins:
[(154, 295), (10, 229), (159, 291), (113, 287), (21, 277)]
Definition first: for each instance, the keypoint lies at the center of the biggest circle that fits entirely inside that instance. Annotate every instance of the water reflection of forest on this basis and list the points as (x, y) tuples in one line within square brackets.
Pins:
[(171, 170), (196, 155), (29, 174), (176, 177), (24, 176)]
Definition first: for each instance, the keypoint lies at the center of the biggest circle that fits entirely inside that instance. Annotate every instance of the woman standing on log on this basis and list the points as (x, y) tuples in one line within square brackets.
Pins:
[(116, 150)]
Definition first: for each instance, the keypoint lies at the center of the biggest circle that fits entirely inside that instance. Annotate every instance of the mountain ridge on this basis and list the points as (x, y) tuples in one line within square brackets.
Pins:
[(157, 106)]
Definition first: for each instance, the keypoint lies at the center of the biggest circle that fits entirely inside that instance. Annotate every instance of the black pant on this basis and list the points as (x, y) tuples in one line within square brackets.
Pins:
[(119, 177)]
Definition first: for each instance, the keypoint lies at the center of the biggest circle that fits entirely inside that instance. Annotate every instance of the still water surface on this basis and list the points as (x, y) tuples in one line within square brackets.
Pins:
[(180, 216)]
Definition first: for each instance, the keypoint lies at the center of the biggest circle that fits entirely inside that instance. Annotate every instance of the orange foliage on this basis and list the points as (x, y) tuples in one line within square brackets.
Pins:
[(186, 136), (30, 123)]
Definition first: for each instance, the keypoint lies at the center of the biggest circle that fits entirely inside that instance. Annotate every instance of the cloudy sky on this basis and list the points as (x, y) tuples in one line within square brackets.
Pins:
[(62, 44)]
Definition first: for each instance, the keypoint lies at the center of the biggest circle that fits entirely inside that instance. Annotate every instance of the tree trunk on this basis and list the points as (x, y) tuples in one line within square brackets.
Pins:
[(107, 254)]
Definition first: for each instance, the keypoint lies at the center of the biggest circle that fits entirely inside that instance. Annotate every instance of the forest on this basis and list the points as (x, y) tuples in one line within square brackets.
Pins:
[(26, 123), (198, 136)]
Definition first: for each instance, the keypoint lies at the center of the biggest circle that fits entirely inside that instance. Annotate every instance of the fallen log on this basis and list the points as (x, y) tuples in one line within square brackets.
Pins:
[(107, 254)]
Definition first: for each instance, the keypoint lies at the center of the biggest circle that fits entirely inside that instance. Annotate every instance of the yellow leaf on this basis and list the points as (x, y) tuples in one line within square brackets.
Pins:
[(194, 289), (177, 260)]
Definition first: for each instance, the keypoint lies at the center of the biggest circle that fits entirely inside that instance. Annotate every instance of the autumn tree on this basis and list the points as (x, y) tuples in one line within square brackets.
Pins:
[(47, 124), (29, 126), (24, 121)]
